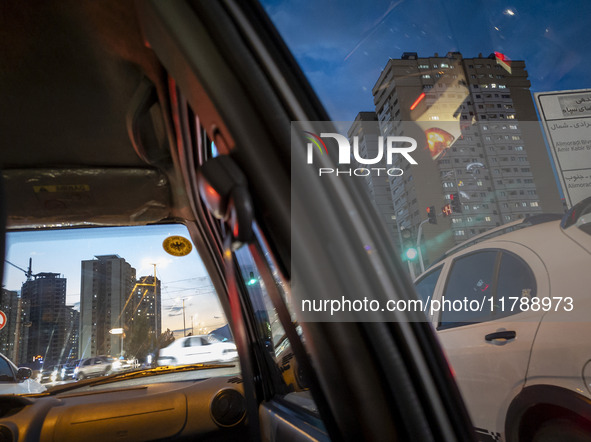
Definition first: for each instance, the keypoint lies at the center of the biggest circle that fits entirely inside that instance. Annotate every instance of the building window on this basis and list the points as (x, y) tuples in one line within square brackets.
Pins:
[(534, 204)]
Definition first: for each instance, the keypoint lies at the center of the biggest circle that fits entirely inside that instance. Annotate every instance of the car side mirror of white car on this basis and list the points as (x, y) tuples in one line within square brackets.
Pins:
[(23, 373)]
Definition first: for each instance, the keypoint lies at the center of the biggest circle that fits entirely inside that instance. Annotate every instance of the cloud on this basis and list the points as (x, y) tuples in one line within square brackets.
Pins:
[(147, 264)]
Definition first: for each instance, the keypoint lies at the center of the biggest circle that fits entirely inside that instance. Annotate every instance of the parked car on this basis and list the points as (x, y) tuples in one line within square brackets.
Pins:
[(197, 349), (15, 380), (517, 351)]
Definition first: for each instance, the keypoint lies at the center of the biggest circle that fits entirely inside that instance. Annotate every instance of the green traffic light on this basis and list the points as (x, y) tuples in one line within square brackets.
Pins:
[(411, 253)]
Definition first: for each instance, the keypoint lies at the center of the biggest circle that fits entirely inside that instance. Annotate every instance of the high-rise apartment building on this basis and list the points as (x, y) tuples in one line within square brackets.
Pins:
[(72, 334), (480, 148), (145, 305), (44, 303), (106, 284), (366, 129), (9, 305)]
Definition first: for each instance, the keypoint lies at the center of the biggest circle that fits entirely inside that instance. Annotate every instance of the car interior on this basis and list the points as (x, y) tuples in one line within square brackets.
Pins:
[(122, 113)]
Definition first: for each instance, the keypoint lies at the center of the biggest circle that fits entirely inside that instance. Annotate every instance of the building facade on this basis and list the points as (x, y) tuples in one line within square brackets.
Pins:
[(9, 304), (480, 148), (366, 129), (45, 319), (145, 306), (106, 284)]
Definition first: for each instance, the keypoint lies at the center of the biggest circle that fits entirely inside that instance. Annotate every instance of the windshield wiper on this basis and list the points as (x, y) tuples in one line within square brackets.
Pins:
[(117, 377)]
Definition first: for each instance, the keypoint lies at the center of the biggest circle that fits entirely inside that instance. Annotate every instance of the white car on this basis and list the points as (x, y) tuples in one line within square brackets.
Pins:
[(519, 341), (15, 380), (197, 349)]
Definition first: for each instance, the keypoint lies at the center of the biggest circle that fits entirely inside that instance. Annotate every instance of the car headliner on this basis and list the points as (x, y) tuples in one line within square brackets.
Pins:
[(68, 73)]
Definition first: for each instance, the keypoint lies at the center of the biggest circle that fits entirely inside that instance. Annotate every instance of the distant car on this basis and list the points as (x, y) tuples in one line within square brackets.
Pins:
[(15, 380), (96, 366), (50, 374), (197, 349), (517, 341), (68, 370)]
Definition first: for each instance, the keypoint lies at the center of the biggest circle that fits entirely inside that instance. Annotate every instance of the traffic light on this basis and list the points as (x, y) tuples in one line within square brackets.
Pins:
[(409, 251), (456, 206), (432, 215), (446, 210), (252, 280)]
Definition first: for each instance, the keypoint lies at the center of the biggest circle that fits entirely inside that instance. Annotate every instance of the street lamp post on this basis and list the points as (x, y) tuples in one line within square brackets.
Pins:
[(419, 244), (184, 326), (118, 331)]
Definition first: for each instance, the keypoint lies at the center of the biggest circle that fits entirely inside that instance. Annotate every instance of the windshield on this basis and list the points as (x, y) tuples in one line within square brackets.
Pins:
[(92, 302), (468, 127)]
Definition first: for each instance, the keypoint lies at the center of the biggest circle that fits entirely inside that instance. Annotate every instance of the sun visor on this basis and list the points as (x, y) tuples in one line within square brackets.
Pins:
[(69, 197)]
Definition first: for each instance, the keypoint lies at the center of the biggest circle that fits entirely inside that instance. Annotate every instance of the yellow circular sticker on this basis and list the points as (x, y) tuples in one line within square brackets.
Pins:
[(177, 246)]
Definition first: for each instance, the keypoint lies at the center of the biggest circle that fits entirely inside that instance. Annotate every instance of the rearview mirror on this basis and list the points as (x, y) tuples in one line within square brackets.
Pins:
[(23, 374)]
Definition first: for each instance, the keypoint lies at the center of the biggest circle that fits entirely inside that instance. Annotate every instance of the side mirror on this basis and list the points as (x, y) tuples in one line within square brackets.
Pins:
[(23, 374)]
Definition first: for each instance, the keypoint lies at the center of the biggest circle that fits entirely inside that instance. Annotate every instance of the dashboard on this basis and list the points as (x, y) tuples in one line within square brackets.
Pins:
[(209, 409)]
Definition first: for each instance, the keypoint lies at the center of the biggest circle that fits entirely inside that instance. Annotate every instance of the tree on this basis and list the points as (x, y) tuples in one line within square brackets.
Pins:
[(166, 338), (140, 339)]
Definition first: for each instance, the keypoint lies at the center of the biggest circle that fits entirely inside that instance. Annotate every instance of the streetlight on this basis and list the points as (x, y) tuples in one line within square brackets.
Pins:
[(118, 331)]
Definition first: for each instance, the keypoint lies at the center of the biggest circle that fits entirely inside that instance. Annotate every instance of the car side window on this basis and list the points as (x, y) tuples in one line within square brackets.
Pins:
[(470, 282), (6, 373), (203, 341), (273, 337), (516, 280), (426, 285)]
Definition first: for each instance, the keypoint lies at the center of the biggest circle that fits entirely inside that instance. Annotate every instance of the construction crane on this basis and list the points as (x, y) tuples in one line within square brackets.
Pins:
[(28, 272)]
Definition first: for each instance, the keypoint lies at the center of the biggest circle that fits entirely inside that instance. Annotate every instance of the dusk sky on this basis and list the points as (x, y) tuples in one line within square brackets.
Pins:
[(342, 46), (62, 251)]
